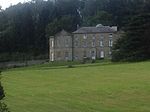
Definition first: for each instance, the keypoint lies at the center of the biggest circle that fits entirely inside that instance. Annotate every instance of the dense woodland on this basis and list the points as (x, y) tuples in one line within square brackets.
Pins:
[(25, 28)]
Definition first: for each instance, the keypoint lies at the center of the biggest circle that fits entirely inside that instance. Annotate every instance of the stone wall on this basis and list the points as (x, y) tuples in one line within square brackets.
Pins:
[(80, 46), (93, 45)]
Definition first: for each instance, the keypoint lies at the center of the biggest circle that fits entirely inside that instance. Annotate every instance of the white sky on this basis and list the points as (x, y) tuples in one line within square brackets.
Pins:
[(7, 3)]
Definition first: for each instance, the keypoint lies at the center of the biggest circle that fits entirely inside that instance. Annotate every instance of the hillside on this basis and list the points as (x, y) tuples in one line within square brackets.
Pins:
[(97, 87)]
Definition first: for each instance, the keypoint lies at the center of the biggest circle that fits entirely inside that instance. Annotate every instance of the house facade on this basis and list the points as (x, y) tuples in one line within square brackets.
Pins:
[(85, 43)]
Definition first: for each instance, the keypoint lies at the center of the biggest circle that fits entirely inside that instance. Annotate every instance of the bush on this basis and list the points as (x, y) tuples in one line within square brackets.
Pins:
[(3, 106)]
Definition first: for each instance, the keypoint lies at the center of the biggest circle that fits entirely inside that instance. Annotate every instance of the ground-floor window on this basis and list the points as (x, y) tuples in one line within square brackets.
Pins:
[(102, 55), (84, 54), (52, 56), (66, 55), (93, 55)]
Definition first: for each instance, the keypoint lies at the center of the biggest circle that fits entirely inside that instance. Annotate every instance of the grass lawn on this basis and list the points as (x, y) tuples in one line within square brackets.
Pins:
[(84, 88)]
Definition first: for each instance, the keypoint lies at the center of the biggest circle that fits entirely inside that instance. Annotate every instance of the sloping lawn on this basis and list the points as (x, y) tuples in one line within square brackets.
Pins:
[(85, 88)]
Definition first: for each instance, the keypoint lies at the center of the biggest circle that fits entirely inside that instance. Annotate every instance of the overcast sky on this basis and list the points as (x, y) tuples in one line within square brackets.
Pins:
[(7, 3)]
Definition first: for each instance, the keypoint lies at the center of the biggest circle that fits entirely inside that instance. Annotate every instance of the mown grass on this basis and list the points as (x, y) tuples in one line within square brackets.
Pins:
[(99, 87)]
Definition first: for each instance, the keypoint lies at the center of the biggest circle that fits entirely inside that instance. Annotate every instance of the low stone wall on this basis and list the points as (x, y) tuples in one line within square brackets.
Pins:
[(21, 63)]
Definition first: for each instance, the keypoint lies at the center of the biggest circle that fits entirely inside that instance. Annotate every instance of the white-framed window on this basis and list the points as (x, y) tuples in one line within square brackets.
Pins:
[(110, 52), (93, 37), (93, 43), (102, 55), (101, 36), (101, 43), (52, 43), (52, 56), (85, 36), (110, 35), (93, 55), (84, 54), (110, 42)]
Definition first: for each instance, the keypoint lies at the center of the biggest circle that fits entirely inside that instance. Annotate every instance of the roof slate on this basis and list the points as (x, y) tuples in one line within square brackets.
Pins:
[(101, 29)]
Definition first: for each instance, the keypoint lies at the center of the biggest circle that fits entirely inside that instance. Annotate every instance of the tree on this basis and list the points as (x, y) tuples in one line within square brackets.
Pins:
[(66, 22), (3, 106), (102, 17), (134, 45)]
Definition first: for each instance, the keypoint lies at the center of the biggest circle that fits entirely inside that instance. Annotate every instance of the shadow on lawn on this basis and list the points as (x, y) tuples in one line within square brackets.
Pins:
[(76, 66), (83, 65)]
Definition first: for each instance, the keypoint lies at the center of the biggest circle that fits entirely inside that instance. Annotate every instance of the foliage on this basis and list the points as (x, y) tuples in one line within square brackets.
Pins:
[(3, 106), (102, 17), (25, 28), (134, 46)]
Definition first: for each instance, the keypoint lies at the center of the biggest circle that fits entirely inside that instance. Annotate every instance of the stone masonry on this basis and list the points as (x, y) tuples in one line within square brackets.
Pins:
[(85, 43)]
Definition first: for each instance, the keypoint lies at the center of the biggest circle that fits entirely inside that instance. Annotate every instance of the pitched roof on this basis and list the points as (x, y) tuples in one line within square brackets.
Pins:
[(100, 29), (63, 33)]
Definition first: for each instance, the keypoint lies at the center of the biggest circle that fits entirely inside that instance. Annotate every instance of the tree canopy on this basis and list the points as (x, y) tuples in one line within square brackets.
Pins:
[(25, 28), (135, 44)]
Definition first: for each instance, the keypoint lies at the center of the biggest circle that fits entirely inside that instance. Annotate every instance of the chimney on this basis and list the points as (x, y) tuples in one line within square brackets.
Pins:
[(114, 28)]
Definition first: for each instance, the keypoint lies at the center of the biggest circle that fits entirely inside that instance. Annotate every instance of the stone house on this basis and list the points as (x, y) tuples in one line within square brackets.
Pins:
[(85, 43)]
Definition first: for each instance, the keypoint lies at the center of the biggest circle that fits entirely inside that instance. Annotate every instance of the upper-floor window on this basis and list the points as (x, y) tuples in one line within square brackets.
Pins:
[(52, 43), (93, 43), (85, 36), (101, 43), (110, 42), (101, 37), (67, 42), (93, 38), (76, 42), (84, 43), (110, 35)]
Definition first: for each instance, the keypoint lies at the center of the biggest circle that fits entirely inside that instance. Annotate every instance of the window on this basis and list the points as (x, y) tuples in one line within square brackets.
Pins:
[(101, 43), (66, 55), (101, 37), (76, 42), (52, 56), (101, 54), (110, 52), (85, 36), (76, 57), (93, 43), (67, 43), (93, 38), (110, 43), (84, 44), (84, 54), (52, 43), (93, 55), (110, 35)]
